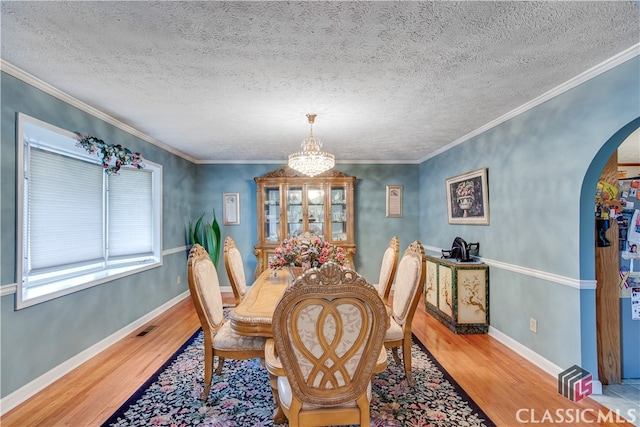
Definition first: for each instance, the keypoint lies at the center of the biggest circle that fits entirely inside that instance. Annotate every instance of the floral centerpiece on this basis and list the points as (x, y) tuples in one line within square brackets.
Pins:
[(305, 253)]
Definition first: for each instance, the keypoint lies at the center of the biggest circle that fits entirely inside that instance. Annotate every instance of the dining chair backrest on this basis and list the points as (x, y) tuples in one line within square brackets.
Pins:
[(409, 283), (235, 269), (388, 268), (219, 339), (409, 286), (329, 329), (205, 290)]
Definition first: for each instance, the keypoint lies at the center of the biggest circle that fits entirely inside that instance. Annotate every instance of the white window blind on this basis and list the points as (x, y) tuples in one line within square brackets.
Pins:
[(65, 217), (130, 213), (80, 227)]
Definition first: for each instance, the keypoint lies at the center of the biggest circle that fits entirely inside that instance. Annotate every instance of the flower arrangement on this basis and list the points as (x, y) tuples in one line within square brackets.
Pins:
[(301, 253), (123, 156)]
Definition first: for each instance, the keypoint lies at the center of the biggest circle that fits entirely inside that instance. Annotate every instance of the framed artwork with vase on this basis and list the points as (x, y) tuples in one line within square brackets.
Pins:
[(468, 198)]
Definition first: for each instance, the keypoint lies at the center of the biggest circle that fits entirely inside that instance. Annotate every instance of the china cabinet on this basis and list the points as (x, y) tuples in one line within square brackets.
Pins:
[(290, 204), (457, 294)]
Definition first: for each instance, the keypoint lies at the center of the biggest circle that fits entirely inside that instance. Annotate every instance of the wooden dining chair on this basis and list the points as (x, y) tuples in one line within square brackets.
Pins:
[(219, 339), (235, 269), (388, 268), (329, 328), (409, 286)]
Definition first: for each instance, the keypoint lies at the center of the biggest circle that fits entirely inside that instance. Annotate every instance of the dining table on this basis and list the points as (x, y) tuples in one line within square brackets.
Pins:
[(252, 317)]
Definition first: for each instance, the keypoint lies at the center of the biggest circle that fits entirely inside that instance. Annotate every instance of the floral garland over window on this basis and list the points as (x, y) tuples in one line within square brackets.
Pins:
[(108, 152), (298, 253)]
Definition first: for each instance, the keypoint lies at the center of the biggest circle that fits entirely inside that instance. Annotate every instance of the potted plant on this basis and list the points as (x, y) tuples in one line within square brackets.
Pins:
[(207, 235)]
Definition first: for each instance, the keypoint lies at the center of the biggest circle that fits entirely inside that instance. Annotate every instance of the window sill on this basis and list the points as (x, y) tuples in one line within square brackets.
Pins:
[(26, 297)]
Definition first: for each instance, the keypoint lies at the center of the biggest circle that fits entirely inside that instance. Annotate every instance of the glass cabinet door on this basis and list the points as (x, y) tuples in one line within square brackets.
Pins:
[(289, 204), (338, 214), (295, 211), (315, 210), (271, 225)]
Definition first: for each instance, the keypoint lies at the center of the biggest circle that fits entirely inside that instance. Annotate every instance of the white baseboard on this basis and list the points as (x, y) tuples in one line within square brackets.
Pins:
[(533, 357), (597, 387), (22, 394), (527, 353)]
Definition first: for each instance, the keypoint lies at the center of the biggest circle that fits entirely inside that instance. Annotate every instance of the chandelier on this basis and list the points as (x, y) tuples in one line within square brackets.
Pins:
[(311, 160)]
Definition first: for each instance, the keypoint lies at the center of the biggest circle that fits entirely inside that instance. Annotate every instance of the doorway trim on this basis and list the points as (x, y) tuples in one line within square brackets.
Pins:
[(588, 328)]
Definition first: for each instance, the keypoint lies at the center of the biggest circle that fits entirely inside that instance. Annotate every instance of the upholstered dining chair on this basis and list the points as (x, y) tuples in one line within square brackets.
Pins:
[(219, 339), (329, 329), (235, 269), (388, 268), (409, 285)]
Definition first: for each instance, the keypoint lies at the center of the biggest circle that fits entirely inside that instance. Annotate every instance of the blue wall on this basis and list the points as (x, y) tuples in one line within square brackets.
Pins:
[(36, 339), (372, 229), (540, 263), (539, 162)]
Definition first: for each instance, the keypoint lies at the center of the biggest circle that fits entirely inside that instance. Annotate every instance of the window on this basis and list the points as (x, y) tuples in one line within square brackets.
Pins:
[(79, 227)]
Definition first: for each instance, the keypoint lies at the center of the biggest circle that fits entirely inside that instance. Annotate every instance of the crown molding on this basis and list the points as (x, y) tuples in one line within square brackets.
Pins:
[(284, 161), (63, 96), (610, 63)]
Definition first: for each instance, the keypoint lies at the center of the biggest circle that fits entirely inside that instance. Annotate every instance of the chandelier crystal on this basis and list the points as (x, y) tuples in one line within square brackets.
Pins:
[(311, 160)]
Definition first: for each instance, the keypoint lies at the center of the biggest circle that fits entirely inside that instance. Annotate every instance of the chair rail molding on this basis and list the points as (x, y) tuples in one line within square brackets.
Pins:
[(554, 278)]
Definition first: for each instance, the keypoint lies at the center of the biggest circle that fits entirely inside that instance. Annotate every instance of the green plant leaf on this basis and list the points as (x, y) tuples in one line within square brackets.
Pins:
[(210, 244), (216, 231), (207, 235), (196, 230)]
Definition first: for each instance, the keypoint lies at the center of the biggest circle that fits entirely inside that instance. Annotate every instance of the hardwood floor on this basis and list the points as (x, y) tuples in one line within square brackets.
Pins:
[(511, 390)]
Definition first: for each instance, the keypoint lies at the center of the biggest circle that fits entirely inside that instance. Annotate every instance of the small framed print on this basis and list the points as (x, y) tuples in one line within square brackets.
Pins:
[(231, 208), (394, 201)]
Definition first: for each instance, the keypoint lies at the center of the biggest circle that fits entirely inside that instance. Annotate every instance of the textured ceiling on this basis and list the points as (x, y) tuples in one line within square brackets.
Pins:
[(232, 81)]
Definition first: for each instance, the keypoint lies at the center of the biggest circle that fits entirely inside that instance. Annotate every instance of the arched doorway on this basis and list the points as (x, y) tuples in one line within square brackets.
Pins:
[(598, 354)]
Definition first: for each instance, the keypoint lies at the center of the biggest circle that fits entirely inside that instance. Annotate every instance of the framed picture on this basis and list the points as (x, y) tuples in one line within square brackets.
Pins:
[(231, 208), (468, 198), (394, 201)]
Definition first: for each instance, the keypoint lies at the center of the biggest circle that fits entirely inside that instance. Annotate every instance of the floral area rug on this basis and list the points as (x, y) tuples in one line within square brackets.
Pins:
[(242, 395)]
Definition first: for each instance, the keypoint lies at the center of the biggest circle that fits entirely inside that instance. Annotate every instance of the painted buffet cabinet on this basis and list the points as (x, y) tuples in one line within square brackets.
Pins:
[(290, 204), (457, 294)]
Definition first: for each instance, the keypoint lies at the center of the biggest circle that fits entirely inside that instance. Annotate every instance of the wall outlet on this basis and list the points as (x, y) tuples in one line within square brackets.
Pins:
[(533, 325), (178, 280)]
